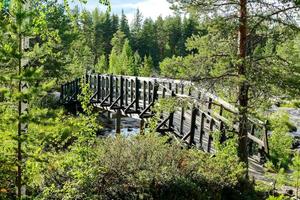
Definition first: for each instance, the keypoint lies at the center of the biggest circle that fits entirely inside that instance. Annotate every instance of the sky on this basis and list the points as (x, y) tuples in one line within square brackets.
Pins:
[(149, 8)]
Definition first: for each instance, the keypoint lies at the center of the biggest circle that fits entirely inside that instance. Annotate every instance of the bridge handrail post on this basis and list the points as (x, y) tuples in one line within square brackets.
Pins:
[(222, 126), (193, 125), (265, 139), (86, 78), (171, 116), (155, 90), (121, 91), (137, 94), (111, 89), (62, 93), (98, 87)]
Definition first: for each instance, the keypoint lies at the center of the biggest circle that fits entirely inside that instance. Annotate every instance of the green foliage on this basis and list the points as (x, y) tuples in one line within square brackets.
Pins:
[(137, 64), (114, 65), (127, 59), (295, 176), (280, 197), (278, 178), (147, 68), (271, 51), (170, 67), (101, 66), (118, 41), (134, 168), (280, 141)]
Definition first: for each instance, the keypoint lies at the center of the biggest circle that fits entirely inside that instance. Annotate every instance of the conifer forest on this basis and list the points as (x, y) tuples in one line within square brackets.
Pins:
[(100, 99)]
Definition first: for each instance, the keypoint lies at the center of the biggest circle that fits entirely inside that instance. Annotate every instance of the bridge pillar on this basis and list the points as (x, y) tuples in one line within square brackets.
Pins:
[(118, 122), (142, 127)]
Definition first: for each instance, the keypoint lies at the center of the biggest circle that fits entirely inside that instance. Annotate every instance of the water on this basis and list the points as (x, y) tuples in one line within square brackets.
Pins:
[(294, 117), (129, 127), (127, 132)]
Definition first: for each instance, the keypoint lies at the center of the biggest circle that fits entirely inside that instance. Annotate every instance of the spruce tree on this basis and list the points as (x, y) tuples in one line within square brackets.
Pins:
[(124, 27), (126, 59), (137, 64), (147, 68)]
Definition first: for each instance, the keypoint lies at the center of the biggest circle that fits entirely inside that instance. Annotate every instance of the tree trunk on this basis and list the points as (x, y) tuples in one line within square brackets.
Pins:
[(19, 148), (243, 85)]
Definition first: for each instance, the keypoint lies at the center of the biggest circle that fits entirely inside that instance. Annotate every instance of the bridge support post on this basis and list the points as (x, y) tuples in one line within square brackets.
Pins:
[(142, 127), (118, 122)]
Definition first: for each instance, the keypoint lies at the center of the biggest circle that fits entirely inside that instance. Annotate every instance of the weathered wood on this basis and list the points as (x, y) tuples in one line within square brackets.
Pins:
[(118, 122), (111, 89), (144, 94), (211, 124), (193, 125), (201, 129), (137, 94)]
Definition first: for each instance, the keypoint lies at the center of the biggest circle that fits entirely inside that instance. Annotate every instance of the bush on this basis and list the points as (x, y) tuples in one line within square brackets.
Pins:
[(141, 167), (280, 141)]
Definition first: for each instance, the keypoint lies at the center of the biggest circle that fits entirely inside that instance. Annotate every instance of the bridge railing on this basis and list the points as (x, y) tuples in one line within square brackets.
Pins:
[(195, 123)]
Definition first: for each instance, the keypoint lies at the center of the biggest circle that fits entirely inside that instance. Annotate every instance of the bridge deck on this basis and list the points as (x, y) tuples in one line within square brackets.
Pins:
[(193, 121)]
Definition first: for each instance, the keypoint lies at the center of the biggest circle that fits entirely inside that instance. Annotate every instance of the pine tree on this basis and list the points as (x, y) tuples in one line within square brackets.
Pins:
[(147, 69), (231, 56)]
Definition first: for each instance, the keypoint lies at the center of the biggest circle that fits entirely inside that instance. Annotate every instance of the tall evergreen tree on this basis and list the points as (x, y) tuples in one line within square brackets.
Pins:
[(137, 64), (173, 27), (115, 63), (118, 41), (136, 28), (147, 68), (148, 42), (127, 60), (124, 27), (161, 34)]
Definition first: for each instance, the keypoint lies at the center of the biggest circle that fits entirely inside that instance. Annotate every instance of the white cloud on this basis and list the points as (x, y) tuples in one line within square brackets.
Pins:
[(149, 8)]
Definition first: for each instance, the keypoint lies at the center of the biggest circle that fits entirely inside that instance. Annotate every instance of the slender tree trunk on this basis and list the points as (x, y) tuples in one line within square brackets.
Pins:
[(243, 85), (19, 149)]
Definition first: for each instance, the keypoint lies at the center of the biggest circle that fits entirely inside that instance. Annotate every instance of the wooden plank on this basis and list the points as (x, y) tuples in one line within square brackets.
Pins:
[(144, 94), (255, 139), (193, 126), (126, 92), (121, 91), (211, 124), (201, 128), (111, 89), (137, 94)]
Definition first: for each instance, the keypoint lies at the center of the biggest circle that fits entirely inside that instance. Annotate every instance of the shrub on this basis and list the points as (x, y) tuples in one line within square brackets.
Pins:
[(141, 167), (295, 176), (280, 197), (280, 141)]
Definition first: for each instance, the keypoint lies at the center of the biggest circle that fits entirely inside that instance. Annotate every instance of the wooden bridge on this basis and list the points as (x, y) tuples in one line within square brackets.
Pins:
[(193, 121)]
